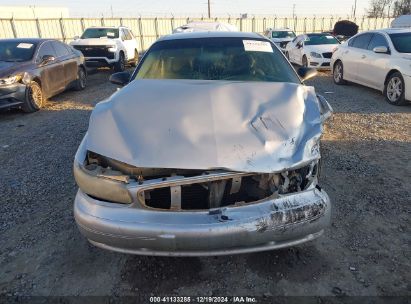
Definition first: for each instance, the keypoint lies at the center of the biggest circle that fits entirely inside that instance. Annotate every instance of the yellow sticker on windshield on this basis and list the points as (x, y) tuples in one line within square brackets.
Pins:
[(24, 45), (257, 46)]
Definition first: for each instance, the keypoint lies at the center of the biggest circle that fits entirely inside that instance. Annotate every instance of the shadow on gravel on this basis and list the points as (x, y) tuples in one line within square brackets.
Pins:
[(354, 98)]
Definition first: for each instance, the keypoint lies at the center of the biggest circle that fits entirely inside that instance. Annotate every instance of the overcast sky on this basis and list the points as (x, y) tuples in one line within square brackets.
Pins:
[(90, 8)]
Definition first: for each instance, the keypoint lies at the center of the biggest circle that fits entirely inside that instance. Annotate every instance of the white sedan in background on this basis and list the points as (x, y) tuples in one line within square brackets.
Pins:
[(312, 50), (378, 59)]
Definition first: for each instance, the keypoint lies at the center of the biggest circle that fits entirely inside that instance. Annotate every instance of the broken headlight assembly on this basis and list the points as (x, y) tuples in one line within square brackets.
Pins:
[(102, 183)]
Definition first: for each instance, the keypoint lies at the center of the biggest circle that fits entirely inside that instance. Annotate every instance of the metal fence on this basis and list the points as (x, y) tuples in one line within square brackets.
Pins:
[(147, 30)]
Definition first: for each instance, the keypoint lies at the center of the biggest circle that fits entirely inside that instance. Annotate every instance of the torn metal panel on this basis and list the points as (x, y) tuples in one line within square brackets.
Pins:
[(190, 124)]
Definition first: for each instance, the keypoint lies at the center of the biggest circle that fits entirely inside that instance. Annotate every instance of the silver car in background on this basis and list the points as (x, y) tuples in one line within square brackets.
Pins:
[(211, 148)]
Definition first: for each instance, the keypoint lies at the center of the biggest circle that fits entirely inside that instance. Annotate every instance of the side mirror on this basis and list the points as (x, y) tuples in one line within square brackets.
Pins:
[(76, 37), (47, 58), (380, 50), (121, 78), (299, 45), (306, 73)]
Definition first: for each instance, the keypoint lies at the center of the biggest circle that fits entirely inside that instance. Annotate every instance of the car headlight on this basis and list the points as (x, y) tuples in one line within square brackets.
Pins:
[(93, 181), (112, 48), (10, 80), (315, 55)]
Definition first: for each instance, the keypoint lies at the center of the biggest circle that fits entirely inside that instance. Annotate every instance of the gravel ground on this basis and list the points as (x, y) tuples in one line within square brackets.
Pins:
[(365, 252)]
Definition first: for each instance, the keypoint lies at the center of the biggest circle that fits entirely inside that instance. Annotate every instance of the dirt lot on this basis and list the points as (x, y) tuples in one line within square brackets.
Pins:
[(366, 251)]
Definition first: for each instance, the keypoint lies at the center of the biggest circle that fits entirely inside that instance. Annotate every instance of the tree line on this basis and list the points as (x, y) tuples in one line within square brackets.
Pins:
[(389, 8)]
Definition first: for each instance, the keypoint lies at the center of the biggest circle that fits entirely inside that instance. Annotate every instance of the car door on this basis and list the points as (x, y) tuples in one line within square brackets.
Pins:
[(354, 55), (373, 69), (68, 61), (128, 43), (295, 51), (50, 71)]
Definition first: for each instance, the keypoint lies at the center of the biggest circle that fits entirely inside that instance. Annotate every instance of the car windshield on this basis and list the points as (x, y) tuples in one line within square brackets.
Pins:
[(14, 51), (283, 34), (320, 39), (100, 33), (238, 59), (402, 42)]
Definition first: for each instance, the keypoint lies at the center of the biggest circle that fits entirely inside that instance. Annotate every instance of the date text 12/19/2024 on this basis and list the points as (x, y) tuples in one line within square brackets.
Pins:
[(199, 299)]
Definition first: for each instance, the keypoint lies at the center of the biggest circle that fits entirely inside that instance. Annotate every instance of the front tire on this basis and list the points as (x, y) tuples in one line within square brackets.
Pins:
[(81, 81), (395, 90), (34, 98), (135, 59), (305, 61), (120, 65), (338, 73)]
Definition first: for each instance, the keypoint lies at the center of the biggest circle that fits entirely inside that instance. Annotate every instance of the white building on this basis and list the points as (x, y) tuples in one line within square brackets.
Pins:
[(33, 11)]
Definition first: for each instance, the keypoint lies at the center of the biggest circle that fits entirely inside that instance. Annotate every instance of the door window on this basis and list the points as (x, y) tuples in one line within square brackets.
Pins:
[(377, 40), (127, 35), (362, 41), (61, 50), (45, 49)]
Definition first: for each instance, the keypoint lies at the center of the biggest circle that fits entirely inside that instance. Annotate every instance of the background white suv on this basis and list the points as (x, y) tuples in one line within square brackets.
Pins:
[(108, 46), (281, 37), (377, 59)]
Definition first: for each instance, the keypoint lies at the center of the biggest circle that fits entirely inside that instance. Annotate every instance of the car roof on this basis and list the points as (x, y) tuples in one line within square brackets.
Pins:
[(106, 27), (281, 29), (221, 34), (26, 40), (392, 30)]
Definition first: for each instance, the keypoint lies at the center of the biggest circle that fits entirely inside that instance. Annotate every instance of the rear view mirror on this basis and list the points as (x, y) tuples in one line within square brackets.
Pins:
[(381, 50), (121, 78), (306, 73), (47, 58)]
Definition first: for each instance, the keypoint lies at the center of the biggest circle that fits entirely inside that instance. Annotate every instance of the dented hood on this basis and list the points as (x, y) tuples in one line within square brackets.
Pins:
[(192, 124)]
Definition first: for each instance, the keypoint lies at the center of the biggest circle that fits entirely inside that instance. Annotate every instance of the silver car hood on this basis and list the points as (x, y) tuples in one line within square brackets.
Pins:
[(193, 124)]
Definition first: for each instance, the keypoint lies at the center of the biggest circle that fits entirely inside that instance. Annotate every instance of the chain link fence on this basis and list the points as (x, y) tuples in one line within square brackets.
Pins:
[(148, 30)]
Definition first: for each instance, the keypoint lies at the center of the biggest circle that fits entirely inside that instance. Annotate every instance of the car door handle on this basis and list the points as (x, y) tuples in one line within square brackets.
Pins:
[(363, 57)]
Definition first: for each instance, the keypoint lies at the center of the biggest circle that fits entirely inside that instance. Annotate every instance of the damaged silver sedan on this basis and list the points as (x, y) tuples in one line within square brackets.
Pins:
[(211, 148)]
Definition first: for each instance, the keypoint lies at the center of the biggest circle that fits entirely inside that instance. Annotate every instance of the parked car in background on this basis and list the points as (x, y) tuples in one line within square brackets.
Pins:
[(162, 171), (31, 70), (377, 59), (312, 50), (108, 46), (403, 21), (281, 37), (203, 26)]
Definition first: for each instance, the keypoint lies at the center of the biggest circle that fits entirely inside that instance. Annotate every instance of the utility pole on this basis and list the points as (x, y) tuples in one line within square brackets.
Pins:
[(355, 8), (294, 11), (111, 7), (209, 9)]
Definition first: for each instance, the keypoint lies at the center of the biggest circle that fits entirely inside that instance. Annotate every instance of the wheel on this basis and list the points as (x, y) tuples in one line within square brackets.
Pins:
[(395, 90), (34, 98), (81, 80), (305, 61), (120, 65), (338, 73), (135, 59)]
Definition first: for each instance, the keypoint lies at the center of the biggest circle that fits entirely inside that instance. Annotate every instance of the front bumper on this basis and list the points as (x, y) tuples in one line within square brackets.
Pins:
[(266, 225), (12, 95), (319, 63), (99, 61)]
